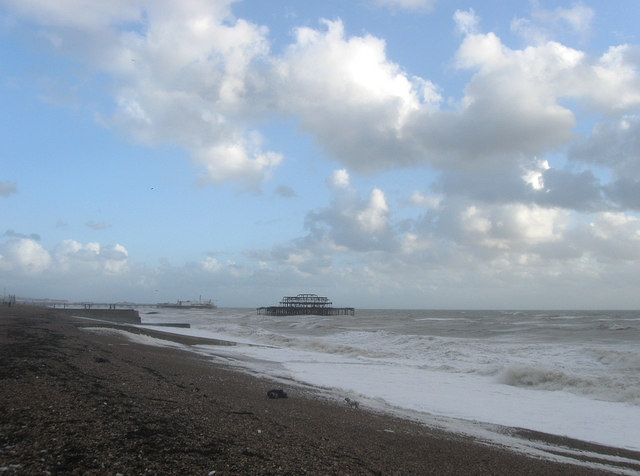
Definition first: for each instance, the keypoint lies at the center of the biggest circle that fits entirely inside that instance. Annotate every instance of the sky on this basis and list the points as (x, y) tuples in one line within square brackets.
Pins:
[(385, 153)]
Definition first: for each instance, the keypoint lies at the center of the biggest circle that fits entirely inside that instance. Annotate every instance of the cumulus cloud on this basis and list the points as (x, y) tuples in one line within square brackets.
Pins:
[(233, 161), (350, 222), (192, 74), (499, 208), (210, 264), (8, 188), (373, 218), (73, 255), (577, 19), (27, 256), (514, 106), (192, 83), (326, 75), (418, 199), (533, 182), (182, 73), (610, 237), (510, 226), (614, 144), (339, 179), (24, 256), (466, 21), (458, 241)]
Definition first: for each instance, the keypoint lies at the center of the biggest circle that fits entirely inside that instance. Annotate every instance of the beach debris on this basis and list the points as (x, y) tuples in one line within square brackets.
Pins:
[(276, 393), (352, 403)]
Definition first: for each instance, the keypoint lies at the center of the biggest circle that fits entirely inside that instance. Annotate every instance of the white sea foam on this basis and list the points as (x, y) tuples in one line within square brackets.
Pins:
[(570, 374), (138, 338)]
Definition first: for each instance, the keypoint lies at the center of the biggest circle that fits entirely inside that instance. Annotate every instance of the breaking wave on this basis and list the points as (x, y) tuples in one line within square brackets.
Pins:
[(597, 387)]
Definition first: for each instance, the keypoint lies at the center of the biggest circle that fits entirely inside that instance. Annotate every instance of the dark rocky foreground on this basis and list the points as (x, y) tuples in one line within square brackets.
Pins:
[(77, 402)]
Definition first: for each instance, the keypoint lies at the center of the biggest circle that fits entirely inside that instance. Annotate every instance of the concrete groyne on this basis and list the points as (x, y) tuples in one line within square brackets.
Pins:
[(124, 316)]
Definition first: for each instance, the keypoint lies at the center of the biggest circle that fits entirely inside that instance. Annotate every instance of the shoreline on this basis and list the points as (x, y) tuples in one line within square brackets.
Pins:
[(528, 442), (98, 403)]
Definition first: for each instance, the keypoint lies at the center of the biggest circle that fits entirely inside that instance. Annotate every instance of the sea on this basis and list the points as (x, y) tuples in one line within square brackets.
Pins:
[(479, 373)]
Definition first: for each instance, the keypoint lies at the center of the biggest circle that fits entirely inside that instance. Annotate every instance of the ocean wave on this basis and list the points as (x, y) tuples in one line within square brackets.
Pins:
[(352, 348), (617, 360), (598, 387), (614, 327)]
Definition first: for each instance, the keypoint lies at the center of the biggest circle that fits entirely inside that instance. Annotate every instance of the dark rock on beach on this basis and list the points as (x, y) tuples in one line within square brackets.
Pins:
[(73, 401)]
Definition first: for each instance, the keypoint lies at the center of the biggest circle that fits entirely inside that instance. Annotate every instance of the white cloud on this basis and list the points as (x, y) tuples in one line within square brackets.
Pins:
[(80, 14), (512, 227), (187, 79), (466, 21), (373, 218), (418, 199), (339, 179), (182, 74), (533, 224), (579, 17), (324, 75), (459, 245), (70, 255), (613, 144), (349, 223), (210, 264), (412, 243), (499, 209), (514, 105), (543, 23), (190, 73), (614, 236), (510, 106), (472, 220), (535, 177), (24, 256), (232, 161), (412, 5), (616, 84)]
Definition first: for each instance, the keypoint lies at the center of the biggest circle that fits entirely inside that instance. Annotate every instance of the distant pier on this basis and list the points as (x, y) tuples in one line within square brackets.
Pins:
[(306, 304)]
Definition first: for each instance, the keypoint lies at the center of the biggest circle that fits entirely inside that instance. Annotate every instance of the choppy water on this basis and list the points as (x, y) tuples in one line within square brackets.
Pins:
[(568, 373)]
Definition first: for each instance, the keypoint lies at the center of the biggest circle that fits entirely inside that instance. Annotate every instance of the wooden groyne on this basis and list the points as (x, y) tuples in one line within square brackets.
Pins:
[(306, 304)]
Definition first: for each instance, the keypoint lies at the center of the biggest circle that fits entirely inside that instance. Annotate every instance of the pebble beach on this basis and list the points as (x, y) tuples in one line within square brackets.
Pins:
[(74, 401)]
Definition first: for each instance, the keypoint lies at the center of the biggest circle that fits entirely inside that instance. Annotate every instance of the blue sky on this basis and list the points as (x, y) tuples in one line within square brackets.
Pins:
[(385, 153)]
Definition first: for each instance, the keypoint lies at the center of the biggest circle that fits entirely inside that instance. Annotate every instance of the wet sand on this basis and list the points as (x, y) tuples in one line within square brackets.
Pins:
[(74, 401)]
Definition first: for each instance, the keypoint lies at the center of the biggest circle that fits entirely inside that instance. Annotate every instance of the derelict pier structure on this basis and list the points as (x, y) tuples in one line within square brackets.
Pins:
[(306, 304)]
